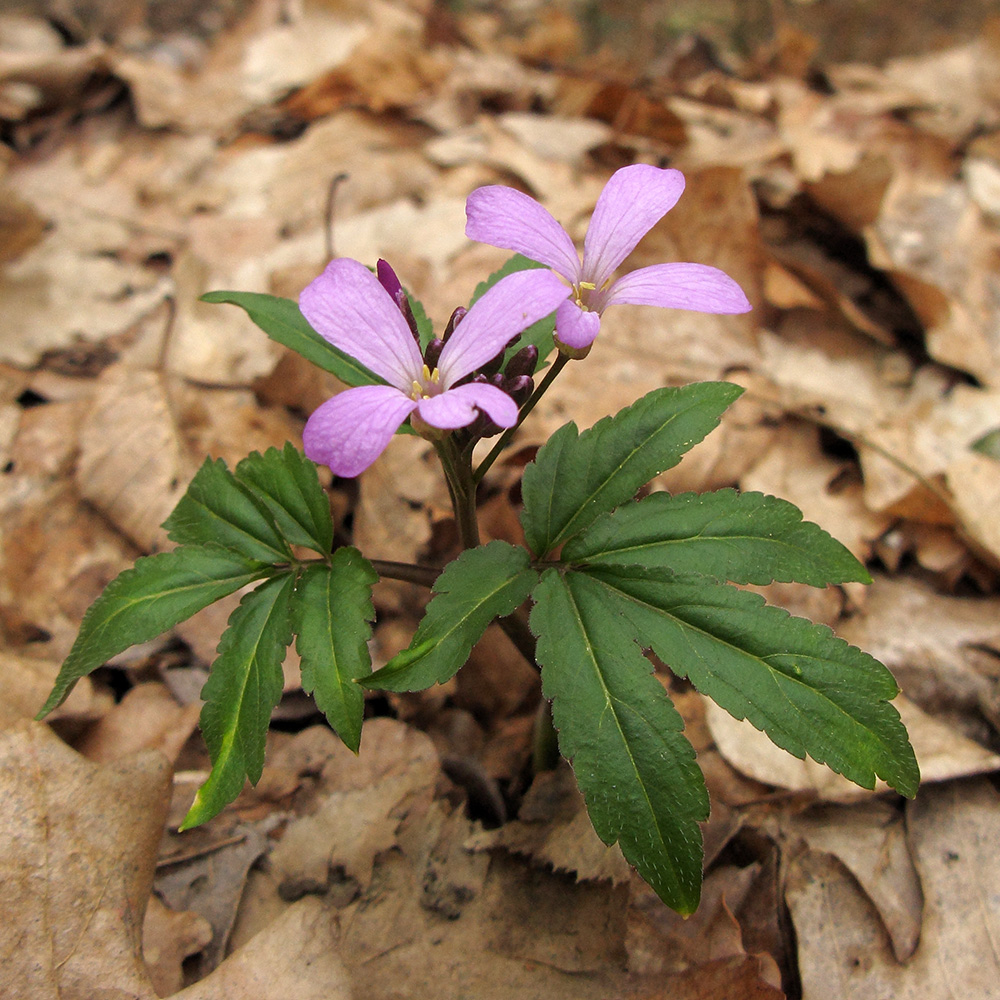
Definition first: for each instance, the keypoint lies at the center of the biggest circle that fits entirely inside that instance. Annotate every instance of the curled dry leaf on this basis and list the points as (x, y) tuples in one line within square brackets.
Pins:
[(79, 847)]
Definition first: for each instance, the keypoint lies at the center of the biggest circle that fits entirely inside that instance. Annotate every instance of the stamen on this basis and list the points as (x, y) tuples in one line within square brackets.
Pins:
[(435, 375), (417, 390), (589, 285), (426, 374)]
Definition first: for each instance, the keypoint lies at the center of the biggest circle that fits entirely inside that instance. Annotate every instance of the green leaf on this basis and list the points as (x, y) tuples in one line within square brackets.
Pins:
[(480, 585), (240, 694), (287, 483), (541, 333), (619, 729), (218, 509), (331, 612), (144, 601), (743, 537), (811, 692), (425, 329), (282, 321), (574, 479)]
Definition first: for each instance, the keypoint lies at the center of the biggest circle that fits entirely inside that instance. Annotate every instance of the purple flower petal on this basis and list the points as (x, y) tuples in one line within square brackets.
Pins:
[(679, 286), (348, 307), (458, 407), (351, 430), (510, 306), (510, 219), (632, 202), (576, 327)]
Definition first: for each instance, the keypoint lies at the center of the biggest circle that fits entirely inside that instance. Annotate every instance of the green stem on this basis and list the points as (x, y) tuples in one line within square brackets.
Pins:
[(462, 487), (554, 369)]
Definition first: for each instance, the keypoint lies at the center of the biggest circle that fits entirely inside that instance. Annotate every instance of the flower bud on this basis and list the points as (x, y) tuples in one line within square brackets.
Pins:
[(523, 363), (388, 280), (519, 388), (456, 317), (432, 354)]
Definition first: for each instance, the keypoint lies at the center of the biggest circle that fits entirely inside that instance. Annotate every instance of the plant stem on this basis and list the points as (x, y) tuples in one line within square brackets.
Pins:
[(462, 487), (424, 576), (554, 369)]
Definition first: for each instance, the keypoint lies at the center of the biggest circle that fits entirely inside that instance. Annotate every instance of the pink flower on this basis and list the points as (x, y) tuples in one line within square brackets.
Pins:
[(348, 306), (632, 202)]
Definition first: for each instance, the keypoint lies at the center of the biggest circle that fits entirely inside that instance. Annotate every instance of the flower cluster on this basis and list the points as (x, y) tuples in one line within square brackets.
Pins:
[(368, 316)]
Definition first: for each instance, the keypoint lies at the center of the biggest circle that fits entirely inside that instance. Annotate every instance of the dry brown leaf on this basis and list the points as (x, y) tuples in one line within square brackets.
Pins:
[(168, 938), (870, 840), (25, 683), (295, 956), (147, 718), (942, 753), (79, 846), (553, 828), (132, 465), (942, 650), (843, 948)]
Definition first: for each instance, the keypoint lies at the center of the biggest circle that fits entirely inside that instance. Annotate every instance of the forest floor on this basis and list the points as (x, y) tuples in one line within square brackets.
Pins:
[(842, 163)]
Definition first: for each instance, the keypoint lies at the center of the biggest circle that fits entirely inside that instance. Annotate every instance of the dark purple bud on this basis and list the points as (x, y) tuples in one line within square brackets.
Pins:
[(519, 388), (388, 280), (433, 353), (523, 363), (456, 317)]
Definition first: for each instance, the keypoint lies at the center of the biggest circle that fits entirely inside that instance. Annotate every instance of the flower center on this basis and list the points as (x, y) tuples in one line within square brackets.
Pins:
[(582, 290), (428, 385)]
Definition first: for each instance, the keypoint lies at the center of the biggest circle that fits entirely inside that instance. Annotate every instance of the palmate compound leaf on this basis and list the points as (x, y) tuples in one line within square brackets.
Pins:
[(620, 731), (241, 692), (283, 322), (742, 537), (287, 483), (811, 692), (331, 615), (575, 479), (143, 602), (481, 584), (218, 509)]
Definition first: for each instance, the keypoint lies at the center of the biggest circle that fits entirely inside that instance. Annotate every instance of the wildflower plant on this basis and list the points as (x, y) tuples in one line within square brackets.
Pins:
[(602, 579)]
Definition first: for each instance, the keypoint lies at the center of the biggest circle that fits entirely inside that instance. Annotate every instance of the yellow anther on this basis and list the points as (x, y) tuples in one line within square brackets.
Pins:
[(435, 375), (426, 373), (417, 390), (589, 285)]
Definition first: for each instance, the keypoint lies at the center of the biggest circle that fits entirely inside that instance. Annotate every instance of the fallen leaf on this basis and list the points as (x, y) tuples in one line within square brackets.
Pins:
[(843, 947), (77, 863)]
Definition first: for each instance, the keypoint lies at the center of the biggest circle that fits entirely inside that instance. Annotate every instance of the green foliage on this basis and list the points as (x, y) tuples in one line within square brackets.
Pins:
[(575, 478), (220, 510), (811, 692), (144, 601), (481, 584), (541, 333), (623, 736), (283, 322), (287, 483), (331, 615), (241, 692), (742, 537)]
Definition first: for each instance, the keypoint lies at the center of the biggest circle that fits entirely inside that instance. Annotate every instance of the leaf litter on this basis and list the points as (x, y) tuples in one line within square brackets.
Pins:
[(146, 161)]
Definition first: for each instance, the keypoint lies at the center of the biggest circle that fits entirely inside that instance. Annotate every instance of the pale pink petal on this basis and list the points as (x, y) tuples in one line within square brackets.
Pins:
[(347, 306), (576, 327), (510, 306), (632, 202), (351, 430), (504, 217), (679, 286), (458, 407)]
